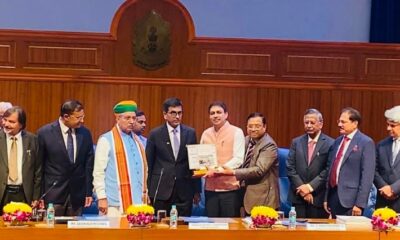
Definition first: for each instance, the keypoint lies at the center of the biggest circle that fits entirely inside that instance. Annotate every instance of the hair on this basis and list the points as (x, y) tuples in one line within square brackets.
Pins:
[(257, 114), (354, 115), (316, 112), (219, 104), (70, 106), (171, 102), (20, 112), (4, 106), (139, 113)]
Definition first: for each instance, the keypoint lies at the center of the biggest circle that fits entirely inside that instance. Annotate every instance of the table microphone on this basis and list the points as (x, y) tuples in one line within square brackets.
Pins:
[(48, 190), (158, 185)]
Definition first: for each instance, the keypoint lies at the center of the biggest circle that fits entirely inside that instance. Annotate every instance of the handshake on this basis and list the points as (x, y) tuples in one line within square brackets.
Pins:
[(214, 172)]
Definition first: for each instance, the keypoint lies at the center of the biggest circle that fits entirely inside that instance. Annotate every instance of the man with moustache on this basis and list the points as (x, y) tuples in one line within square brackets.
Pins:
[(139, 127), (307, 167), (259, 172), (170, 179), (66, 148), (387, 174), (20, 166), (352, 167), (222, 192), (120, 169)]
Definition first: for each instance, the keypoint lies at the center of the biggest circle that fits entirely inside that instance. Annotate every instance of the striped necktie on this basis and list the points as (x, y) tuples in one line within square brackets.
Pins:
[(249, 154)]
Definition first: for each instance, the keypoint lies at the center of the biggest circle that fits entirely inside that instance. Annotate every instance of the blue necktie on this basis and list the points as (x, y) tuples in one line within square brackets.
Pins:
[(70, 146)]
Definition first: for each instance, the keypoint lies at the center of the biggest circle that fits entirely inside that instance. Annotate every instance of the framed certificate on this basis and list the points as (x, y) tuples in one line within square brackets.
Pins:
[(202, 156)]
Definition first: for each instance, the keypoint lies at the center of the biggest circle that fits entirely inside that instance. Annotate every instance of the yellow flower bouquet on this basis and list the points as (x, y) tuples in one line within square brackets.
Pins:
[(263, 216), (140, 215), (17, 213), (383, 219)]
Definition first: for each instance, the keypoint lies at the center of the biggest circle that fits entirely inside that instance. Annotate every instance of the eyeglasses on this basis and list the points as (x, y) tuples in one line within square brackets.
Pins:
[(342, 121), (78, 117), (255, 127), (174, 114), (392, 125)]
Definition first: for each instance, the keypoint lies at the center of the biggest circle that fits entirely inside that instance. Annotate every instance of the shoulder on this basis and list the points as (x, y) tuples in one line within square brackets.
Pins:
[(327, 138), (385, 141), (187, 128), (363, 137), (157, 130), (28, 135), (298, 139), (268, 140), (47, 127)]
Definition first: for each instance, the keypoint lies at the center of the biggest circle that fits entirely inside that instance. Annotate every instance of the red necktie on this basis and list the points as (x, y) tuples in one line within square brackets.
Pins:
[(311, 147), (332, 176)]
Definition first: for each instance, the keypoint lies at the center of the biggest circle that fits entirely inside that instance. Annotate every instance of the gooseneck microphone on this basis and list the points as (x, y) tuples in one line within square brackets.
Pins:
[(48, 190), (158, 185)]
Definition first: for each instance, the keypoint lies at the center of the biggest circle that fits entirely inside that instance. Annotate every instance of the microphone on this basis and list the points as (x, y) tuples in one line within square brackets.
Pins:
[(158, 185), (48, 190)]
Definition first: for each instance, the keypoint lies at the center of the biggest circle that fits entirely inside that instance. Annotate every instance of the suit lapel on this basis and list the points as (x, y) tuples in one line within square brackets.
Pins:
[(79, 141), (183, 140), (320, 143), (56, 131), (25, 144), (167, 141), (388, 152), (3, 147), (353, 146), (304, 144)]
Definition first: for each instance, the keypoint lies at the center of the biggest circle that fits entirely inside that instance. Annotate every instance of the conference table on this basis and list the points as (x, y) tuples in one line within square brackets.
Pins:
[(236, 231)]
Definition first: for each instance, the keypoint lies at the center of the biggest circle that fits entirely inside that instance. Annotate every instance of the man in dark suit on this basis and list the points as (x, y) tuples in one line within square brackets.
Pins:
[(20, 166), (66, 149), (387, 174), (170, 179), (307, 167), (352, 167)]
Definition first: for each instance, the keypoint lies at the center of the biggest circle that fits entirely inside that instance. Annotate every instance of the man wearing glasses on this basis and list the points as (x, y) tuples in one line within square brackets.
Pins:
[(3, 107), (352, 168), (387, 175), (170, 179), (66, 149)]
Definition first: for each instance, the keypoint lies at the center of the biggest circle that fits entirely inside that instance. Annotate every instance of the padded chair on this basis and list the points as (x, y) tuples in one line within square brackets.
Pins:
[(284, 184)]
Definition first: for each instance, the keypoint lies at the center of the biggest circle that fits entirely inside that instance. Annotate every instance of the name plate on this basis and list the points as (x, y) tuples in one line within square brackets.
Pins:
[(88, 224), (326, 227), (217, 226)]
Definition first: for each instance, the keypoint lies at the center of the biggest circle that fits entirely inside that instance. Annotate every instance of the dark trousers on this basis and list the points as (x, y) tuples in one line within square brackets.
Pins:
[(223, 204), (66, 209), (334, 204), (13, 193), (183, 204), (307, 210)]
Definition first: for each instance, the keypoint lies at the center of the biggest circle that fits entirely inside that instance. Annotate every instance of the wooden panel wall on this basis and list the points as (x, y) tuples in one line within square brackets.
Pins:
[(39, 70)]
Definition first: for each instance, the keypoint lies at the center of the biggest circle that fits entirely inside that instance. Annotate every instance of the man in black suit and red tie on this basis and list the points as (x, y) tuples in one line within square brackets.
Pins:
[(170, 179), (387, 174), (66, 148)]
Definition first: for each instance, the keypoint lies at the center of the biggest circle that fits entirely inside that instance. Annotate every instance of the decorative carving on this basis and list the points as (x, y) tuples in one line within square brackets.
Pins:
[(151, 42)]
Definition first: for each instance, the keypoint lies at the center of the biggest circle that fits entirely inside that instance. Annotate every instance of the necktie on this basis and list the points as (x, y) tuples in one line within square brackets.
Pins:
[(70, 146), (249, 154), (311, 147), (333, 175), (396, 147), (176, 143), (12, 161)]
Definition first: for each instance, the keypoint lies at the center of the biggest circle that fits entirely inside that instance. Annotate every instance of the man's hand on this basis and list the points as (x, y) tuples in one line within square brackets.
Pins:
[(309, 198), (226, 171), (327, 209), (356, 211), (303, 190), (210, 173), (196, 198), (145, 198), (103, 206), (88, 201), (386, 192)]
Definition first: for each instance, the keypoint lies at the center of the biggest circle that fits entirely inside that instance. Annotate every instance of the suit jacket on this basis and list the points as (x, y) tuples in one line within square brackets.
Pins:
[(73, 179), (387, 174), (315, 174), (31, 166), (261, 177), (356, 172), (176, 173)]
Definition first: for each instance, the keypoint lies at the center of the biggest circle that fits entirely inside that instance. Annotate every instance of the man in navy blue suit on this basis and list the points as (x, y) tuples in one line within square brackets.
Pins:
[(66, 149), (352, 167), (387, 174)]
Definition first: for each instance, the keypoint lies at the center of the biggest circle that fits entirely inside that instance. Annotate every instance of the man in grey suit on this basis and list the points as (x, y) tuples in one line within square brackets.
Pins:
[(352, 167), (170, 179), (66, 149), (20, 166), (260, 169), (307, 167), (387, 174)]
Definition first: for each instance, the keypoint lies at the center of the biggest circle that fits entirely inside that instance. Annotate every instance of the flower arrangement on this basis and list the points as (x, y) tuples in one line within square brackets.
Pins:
[(383, 219), (17, 213), (263, 216), (140, 215)]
